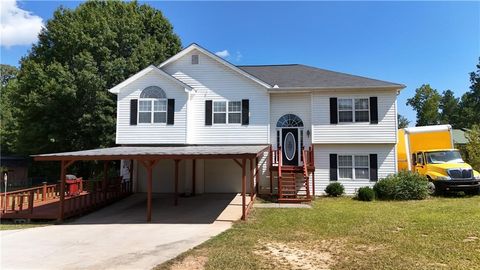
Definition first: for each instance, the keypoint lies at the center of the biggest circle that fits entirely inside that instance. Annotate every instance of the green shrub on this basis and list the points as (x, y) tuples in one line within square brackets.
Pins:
[(334, 189), (365, 194), (404, 185)]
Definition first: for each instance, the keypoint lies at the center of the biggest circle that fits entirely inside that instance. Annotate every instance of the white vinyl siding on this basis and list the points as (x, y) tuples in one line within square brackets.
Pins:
[(386, 164), (360, 132), (155, 133), (214, 81)]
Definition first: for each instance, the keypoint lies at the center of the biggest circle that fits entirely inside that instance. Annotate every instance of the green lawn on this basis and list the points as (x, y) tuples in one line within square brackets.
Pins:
[(12, 226), (341, 233)]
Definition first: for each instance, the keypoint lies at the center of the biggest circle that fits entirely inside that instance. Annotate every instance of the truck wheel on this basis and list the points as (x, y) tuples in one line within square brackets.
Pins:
[(431, 188)]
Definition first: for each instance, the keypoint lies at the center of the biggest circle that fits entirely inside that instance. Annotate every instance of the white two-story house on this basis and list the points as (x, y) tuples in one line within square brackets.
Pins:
[(320, 125)]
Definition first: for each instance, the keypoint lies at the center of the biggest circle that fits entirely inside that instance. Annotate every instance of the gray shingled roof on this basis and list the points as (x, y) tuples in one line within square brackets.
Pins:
[(300, 76), (159, 151)]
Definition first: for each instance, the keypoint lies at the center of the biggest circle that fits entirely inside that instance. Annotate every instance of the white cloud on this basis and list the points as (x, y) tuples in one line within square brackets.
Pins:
[(17, 26), (223, 54)]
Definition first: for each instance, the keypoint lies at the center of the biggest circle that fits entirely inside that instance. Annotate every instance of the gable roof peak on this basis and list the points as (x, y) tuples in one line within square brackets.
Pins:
[(215, 57)]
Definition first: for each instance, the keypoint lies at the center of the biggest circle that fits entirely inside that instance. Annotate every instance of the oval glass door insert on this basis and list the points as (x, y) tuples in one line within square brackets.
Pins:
[(289, 146)]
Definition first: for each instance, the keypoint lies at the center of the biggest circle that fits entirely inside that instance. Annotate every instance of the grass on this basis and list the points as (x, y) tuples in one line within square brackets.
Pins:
[(14, 226), (437, 233)]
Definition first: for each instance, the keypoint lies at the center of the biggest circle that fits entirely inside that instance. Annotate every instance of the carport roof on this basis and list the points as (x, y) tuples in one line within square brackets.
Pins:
[(160, 152)]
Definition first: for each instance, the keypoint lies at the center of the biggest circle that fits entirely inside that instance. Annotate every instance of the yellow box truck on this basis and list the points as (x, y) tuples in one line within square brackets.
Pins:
[(429, 150)]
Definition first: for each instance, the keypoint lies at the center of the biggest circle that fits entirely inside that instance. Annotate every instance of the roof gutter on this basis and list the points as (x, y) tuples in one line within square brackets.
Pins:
[(308, 89)]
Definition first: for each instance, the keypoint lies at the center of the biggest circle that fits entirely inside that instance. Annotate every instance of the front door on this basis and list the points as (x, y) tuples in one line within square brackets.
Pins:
[(290, 146)]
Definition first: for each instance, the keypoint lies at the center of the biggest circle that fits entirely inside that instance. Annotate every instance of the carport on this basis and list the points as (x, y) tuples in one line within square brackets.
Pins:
[(148, 156)]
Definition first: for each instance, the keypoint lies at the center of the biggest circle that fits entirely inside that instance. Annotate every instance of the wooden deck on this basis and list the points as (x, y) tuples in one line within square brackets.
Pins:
[(25, 204), (295, 184)]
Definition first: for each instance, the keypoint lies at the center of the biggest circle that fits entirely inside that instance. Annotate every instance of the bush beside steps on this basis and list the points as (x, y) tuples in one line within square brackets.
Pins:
[(366, 194), (334, 189)]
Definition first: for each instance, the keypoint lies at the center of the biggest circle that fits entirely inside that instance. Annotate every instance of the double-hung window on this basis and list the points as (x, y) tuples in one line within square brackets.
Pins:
[(352, 110), (152, 111), (362, 112), (354, 167), (219, 112), (227, 112), (152, 106), (234, 112)]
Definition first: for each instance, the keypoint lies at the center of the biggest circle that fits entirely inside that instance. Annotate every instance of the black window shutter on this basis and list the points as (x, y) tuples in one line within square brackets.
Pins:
[(333, 111), (171, 111), (373, 110), (333, 167), (373, 167), (245, 112), (133, 111), (208, 112)]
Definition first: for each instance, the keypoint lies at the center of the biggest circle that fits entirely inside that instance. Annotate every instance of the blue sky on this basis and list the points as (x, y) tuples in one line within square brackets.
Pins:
[(405, 42)]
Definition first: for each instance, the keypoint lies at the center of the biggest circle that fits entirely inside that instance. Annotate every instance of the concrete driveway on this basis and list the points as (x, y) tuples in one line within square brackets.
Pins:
[(117, 236)]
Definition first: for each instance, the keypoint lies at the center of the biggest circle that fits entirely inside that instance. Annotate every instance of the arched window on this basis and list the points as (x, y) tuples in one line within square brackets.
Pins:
[(290, 120), (152, 105)]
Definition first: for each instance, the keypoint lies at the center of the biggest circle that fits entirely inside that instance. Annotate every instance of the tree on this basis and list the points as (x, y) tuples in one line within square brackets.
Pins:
[(470, 101), (62, 95), (8, 126), (473, 146), (7, 73), (403, 122), (449, 106), (426, 103)]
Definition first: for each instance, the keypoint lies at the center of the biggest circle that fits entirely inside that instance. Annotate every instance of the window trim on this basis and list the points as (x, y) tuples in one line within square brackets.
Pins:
[(353, 167), (353, 110), (152, 112), (227, 111)]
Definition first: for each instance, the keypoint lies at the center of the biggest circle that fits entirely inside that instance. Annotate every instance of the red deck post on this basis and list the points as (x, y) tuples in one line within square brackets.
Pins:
[(244, 187), (270, 162), (194, 176), (176, 182), (30, 201), (44, 191)]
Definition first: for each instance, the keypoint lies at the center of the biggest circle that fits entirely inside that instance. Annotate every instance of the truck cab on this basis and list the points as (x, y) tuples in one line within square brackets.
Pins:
[(429, 151), (444, 165)]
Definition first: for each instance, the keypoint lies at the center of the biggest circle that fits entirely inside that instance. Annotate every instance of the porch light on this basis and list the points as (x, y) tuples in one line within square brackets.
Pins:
[(308, 133)]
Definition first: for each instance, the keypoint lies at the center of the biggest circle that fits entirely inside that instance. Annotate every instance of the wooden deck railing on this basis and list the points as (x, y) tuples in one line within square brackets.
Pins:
[(92, 195), (23, 199), (309, 157), (96, 197), (306, 176)]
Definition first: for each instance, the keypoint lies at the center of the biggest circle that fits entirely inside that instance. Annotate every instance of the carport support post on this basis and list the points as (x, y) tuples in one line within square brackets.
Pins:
[(244, 187), (130, 184), (176, 181), (105, 179), (256, 175), (252, 186), (149, 190), (194, 176), (63, 170), (62, 191)]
